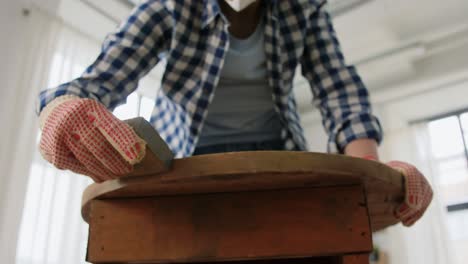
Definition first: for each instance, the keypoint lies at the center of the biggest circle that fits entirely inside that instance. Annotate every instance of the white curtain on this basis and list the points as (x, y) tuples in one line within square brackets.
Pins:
[(40, 211), (52, 229), (26, 48), (426, 242)]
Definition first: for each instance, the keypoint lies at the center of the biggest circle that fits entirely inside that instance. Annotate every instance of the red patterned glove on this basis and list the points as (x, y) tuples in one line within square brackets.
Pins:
[(418, 193), (81, 135)]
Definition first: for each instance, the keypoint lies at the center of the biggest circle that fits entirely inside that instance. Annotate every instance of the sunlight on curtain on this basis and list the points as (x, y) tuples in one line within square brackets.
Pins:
[(425, 242), (451, 166), (425, 156), (52, 230), (35, 35)]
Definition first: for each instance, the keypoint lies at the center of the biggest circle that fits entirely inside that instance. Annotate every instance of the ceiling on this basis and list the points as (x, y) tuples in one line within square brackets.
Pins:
[(403, 17), (397, 42), (366, 28), (390, 41)]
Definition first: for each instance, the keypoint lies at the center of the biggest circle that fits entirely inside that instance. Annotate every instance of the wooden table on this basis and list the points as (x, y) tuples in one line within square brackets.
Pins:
[(266, 206)]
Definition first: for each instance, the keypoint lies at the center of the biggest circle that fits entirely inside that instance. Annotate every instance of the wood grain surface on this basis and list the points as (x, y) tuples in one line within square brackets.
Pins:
[(356, 259), (268, 224), (263, 170)]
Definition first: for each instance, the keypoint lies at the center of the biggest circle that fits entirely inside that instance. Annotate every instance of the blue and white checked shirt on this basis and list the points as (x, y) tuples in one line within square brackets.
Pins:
[(193, 36)]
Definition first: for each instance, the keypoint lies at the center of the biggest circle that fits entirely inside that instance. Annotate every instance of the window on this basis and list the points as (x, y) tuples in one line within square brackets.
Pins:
[(448, 139), (136, 105)]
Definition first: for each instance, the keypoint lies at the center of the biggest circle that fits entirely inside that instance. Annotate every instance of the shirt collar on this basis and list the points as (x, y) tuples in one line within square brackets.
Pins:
[(211, 10)]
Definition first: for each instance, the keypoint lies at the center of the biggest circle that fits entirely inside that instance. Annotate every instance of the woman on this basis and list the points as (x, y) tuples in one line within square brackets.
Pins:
[(227, 86)]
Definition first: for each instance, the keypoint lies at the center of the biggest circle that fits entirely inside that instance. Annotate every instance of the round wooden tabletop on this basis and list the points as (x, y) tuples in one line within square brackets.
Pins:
[(263, 170)]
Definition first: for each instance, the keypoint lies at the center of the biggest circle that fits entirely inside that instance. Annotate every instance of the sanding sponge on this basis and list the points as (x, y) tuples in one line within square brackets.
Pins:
[(158, 157)]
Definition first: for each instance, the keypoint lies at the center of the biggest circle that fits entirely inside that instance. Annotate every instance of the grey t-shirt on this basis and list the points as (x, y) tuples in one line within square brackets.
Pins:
[(242, 109)]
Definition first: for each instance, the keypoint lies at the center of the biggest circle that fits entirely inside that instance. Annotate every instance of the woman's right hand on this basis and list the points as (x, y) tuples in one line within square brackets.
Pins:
[(81, 135)]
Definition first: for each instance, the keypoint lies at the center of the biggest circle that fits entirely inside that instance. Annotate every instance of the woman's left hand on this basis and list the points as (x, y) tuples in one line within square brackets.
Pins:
[(418, 193)]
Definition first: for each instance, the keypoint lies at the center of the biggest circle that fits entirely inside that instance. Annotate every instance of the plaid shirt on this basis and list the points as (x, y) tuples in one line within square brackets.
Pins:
[(193, 37)]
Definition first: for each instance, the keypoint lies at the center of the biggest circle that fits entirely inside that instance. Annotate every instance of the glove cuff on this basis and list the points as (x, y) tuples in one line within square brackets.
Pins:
[(51, 106)]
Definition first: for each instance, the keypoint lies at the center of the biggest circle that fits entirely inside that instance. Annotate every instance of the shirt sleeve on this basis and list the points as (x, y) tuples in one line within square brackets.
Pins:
[(338, 91), (127, 55)]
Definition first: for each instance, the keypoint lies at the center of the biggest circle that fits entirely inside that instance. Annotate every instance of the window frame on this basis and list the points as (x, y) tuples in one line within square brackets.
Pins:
[(455, 207)]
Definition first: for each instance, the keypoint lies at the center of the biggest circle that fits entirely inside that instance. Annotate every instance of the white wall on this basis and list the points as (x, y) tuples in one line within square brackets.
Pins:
[(12, 24)]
